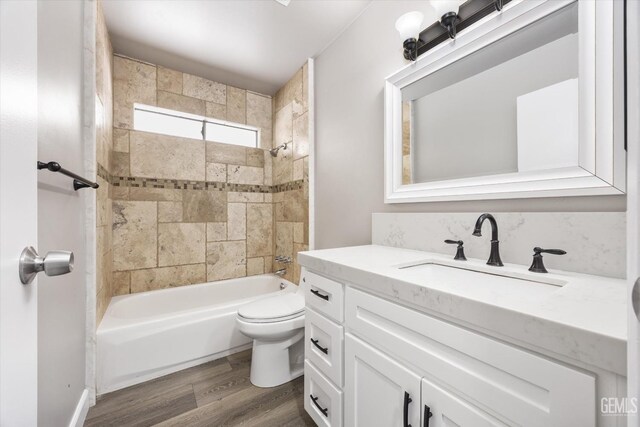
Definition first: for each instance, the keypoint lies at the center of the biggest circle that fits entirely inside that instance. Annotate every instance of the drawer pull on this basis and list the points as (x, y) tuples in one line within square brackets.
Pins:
[(325, 350), (427, 414), (325, 411), (405, 412), (319, 295)]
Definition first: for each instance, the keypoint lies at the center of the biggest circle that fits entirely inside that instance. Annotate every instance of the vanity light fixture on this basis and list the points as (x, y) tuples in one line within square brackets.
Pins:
[(447, 11), (408, 25), (452, 17)]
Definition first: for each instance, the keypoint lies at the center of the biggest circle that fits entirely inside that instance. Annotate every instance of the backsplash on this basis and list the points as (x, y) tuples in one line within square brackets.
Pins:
[(594, 241)]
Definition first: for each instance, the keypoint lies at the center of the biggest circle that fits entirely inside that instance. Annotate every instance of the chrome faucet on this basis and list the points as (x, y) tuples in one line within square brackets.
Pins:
[(494, 257), (281, 272)]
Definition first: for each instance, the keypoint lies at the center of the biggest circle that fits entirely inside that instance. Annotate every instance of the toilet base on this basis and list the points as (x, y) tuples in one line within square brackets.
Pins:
[(277, 362)]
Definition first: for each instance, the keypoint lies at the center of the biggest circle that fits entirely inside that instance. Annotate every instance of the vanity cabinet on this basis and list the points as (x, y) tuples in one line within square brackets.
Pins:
[(324, 358), (373, 361)]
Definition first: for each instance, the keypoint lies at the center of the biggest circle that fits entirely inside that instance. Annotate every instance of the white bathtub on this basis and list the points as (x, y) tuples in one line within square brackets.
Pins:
[(150, 334)]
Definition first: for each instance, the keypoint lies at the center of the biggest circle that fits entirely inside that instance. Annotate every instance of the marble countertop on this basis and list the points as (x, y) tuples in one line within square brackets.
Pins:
[(576, 316)]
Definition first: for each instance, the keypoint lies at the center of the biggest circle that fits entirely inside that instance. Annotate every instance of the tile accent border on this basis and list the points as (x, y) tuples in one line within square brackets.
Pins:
[(179, 184)]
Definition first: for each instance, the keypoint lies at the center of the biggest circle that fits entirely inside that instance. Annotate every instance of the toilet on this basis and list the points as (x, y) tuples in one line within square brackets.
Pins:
[(276, 324)]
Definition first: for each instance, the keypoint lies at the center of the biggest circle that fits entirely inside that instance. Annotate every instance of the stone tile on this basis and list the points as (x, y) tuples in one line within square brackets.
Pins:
[(154, 194), (226, 153), (298, 232), (259, 229), (296, 267), (301, 136), (120, 163), (255, 157), (298, 169), (305, 168), (305, 86), (169, 80), (236, 221), (133, 82), (216, 231), (103, 259), (181, 243), (284, 239), (103, 207), (259, 110), (283, 126), (134, 235), (236, 105), (121, 283), (119, 193), (299, 206), (216, 172), (283, 167), (121, 140), (169, 157), (226, 260), (204, 206), (245, 175), (268, 198), (245, 197), (268, 168), (204, 89), (167, 277), (293, 94), (169, 211), (182, 103), (216, 111), (255, 266), (278, 100)]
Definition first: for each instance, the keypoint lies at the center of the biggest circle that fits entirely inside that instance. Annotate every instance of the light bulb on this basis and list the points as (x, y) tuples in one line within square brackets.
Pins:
[(443, 7), (408, 25)]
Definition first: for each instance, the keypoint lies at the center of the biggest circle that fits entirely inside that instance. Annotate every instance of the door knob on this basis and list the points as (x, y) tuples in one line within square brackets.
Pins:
[(54, 263)]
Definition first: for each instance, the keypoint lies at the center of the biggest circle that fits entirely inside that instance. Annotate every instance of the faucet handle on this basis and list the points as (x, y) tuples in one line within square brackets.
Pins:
[(460, 252), (538, 250), (537, 266)]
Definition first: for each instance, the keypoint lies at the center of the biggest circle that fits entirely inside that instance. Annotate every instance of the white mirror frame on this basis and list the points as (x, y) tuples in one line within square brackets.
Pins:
[(602, 157)]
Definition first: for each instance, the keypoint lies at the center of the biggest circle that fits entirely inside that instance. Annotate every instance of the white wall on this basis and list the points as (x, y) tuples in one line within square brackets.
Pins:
[(349, 135), (61, 299)]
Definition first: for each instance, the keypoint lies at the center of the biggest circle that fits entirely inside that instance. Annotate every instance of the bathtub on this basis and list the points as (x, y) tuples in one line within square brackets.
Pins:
[(149, 334)]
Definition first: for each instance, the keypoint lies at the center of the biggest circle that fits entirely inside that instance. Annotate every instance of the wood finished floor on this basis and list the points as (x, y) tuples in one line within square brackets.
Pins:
[(217, 393)]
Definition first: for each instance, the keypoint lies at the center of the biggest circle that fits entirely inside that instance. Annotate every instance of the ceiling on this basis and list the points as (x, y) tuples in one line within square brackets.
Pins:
[(252, 44)]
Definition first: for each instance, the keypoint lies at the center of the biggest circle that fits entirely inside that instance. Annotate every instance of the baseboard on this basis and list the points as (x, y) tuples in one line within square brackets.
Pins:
[(82, 408)]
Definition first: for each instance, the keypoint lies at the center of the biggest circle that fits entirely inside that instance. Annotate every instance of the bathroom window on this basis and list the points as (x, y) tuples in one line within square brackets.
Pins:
[(176, 123)]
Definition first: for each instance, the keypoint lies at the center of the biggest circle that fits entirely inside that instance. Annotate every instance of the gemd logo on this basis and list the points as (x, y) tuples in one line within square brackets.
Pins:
[(618, 406)]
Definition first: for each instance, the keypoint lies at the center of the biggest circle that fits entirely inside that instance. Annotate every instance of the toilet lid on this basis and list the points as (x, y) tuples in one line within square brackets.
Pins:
[(277, 307)]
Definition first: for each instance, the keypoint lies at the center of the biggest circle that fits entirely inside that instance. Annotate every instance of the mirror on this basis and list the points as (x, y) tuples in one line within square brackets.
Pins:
[(508, 108)]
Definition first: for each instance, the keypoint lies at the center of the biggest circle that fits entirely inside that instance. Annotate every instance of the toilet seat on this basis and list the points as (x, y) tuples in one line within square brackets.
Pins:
[(277, 308)]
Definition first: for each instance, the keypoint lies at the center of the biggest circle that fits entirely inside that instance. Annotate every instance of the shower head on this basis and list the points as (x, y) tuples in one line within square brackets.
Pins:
[(274, 151)]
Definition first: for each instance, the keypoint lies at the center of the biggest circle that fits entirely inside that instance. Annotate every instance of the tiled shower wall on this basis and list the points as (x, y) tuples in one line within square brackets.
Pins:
[(104, 147), (187, 211), (291, 170)]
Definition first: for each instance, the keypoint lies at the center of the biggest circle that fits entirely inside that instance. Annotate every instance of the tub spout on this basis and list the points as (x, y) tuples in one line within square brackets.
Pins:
[(281, 272)]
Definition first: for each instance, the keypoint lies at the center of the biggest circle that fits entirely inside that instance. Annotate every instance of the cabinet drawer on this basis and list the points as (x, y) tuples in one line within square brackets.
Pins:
[(519, 386), (323, 345), (322, 400), (324, 295)]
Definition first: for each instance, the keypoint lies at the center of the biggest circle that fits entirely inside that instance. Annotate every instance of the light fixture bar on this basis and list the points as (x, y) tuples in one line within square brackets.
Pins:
[(469, 13)]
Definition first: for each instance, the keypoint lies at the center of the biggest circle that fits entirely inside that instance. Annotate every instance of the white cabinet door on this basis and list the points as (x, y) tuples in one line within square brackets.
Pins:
[(441, 408), (378, 390)]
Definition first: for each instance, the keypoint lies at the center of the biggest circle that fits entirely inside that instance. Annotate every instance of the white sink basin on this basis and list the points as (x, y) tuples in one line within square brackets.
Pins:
[(466, 275)]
